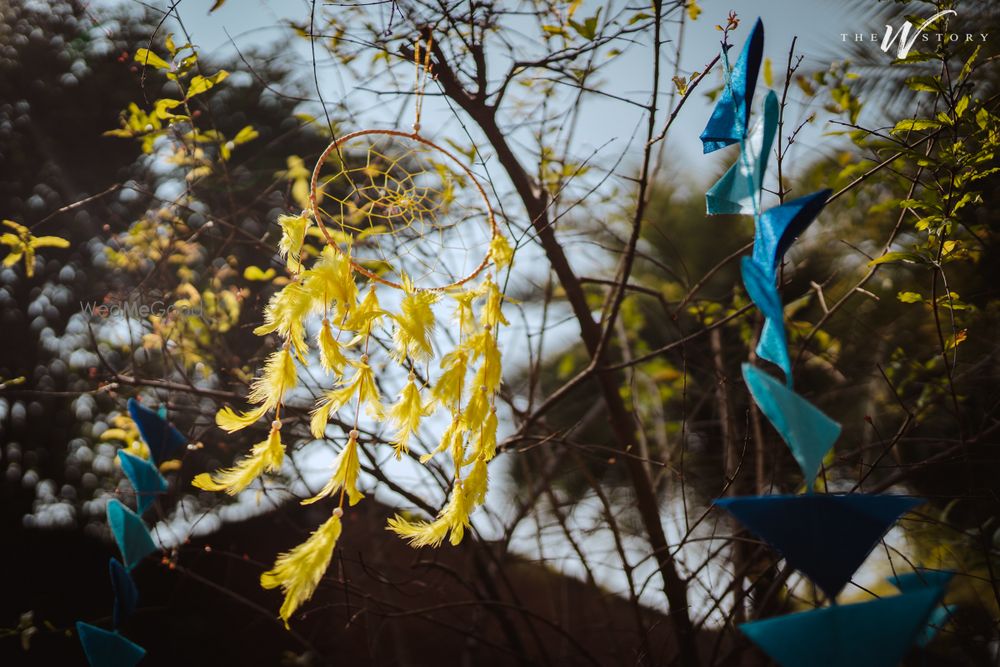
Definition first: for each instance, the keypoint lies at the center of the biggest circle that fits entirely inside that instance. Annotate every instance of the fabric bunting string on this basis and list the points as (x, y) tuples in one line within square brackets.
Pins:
[(825, 536)]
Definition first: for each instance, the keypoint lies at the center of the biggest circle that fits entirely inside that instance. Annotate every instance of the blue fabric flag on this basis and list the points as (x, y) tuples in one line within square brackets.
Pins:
[(738, 191), (162, 438), (808, 432), (773, 345), (915, 581), (134, 540), (826, 537), (728, 124), (869, 634), (146, 479), (126, 594), (107, 649), (778, 227)]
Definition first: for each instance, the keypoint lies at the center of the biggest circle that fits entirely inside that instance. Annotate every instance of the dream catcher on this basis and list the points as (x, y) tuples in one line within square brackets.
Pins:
[(410, 238)]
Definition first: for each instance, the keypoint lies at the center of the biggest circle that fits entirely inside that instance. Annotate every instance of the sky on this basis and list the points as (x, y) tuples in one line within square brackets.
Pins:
[(606, 124)]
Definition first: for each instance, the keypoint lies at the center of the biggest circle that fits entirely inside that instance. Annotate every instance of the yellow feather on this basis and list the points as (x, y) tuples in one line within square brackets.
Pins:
[(500, 251), (346, 469), (447, 390), (264, 456), (405, 415), (331, 280), (453, 518), (285, 314), (300, 570), (230, 421), (492, 313), (414, 327), (331, 356), (367, 314), (293, 234), (278, 378)]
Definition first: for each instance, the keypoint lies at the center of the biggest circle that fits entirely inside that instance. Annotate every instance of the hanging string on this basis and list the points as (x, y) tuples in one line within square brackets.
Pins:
[(421, 71)]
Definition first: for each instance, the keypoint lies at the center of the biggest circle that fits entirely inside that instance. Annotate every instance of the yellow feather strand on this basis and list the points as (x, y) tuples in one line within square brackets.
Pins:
[(492, 313), (331, 355), (367, 314), (361, 385), (278, 378), (264, 456), (486, 444), (476, 410), (231, 421), (299, 571), (463, 314), (414, 327), (490, 372), (453, 518), (285, 314), (405, 415), (500, 251), (346, 469), (476, 484), (293, 234), (448, 389), (331, 279), (447, 439)]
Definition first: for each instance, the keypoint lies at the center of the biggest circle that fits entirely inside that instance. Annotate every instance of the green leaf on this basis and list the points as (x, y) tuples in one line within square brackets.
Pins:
[(961, 106), (199, 84), (147, 57), (890, 257), (909, 297), (915, 125)]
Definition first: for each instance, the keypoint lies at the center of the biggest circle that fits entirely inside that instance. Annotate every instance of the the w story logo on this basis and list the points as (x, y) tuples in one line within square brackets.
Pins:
[(906, 36)]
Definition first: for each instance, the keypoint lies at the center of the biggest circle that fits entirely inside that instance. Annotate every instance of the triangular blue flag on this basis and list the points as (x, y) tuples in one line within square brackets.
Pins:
[(738, 191), (126, 594), (825, 536), (146, 479), (162, 438), (773, 345), (134, 540), (107, 649), (777, 228), (918, 580), (728, 124), (869, 634), (808, 432)]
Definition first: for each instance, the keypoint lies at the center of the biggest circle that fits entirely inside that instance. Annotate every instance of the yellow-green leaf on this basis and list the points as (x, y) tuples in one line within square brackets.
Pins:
[(768, 73), (256, 273), (147, 57), (199, 84), (909, 297)]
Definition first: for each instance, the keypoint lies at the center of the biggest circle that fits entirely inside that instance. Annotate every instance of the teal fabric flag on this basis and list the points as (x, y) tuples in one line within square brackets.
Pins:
[(145, 478), (773, 345), (728, 123), (165, 442), (778, 227), (869, 634), (738, 191), (108, 649), (126, 594), (808, 432), (825, 536), (918, 580), (134, 540)]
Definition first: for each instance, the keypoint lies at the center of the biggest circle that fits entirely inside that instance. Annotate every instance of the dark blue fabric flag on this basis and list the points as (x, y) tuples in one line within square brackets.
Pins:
[(162, 438), (825, 536), (146, 479), (107, 649), (778, 227), (134, 540), (918, 580), (869, 634), (126, 594), (728, 124), (773, 345)]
